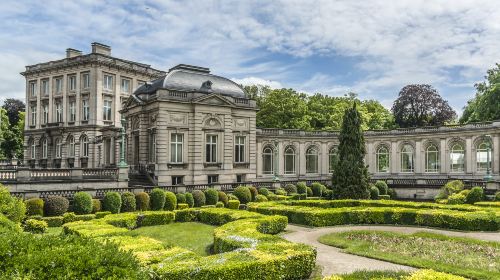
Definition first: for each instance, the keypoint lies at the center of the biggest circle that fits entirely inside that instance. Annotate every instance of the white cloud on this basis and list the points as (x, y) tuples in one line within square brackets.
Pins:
[(248, 81)]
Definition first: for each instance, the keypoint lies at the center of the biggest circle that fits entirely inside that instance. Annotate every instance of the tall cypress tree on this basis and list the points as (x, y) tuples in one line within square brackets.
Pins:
[(350, 174)]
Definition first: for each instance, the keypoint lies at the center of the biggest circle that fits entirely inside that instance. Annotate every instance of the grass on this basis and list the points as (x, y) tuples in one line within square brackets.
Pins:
[(196, 237), (53, 231), (461, 256), (374, 274)]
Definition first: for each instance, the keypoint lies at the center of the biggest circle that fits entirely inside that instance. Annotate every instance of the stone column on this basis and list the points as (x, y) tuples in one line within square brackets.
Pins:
[(444, 165), (419, 158), (496, 154), (469, 163), (394, 162)]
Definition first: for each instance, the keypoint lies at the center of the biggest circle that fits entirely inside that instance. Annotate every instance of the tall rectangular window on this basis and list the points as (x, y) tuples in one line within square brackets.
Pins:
[(72, 82), (59, 112), (212, 179), (59, 85), (239, 149), (211, 149), (32, 88), (152, 146), (45, 112), (45, 87), (176, 142), (85, 110), (125, 85), (72, 111), (33, 115), (86, 80), (107, 82), (107, 110)]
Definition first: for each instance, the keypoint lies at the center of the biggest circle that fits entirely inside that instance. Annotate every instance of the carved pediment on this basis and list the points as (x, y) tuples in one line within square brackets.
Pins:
[(213, 99)]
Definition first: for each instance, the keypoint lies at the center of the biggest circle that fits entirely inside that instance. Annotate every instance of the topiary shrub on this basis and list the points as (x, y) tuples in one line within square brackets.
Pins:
[(55, 205), (374, 192), (328, 194), (260, 198), (128, 202), (392, 193), (199, 198), (382, 187), (181, 198), (497, 196), (13, 208), (264, 191), (96, 205), (157, 199), (476, 194), (317, 189), (69, 217), (280, 191), (243, 194), (223, 197), (35, 226), (219, 204), (102, 214), (301, 188), (181, 206), (34, 207), (253, 192), (384, 197), (272, 197), (309, 191), (457, 198), (452, 187), (170, 201), (232, 197), (211, 196), (54, 221), (112, 202), (142, 201), (233, 204), (190, 200), (290, 188), (82, 203)]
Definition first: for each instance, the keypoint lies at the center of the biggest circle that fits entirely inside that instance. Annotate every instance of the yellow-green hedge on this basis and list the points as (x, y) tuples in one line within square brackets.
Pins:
[(423, 274)]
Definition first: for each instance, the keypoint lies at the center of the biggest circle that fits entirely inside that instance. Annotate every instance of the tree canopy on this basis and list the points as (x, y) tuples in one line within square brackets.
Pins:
[(485, 106), (421, 105), (13, 107), (12, 129)]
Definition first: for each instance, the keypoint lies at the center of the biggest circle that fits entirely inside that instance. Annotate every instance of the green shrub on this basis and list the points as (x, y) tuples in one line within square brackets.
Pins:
[(476, 194), (13, 208), (186, 215), (301, 188), (223, 197), (99, 215), (309, 191), (142, 201), (233, 204), (260, 198), (290, 188), (497, 196), (211, 196), (232, 197), (272, 197), (181, 206), (243, 194), (155, 218), (297, 196), (457, 198), (69, 217), (35, 226), (54, 221), (219, 204), (199, 198), (384, 196), (452, 187), (128, 202), (82, 203), (112, 202), (55, 205), (170, 201), (124, 220), (181, 198), (157, 199), (34, 207), (374, 192), (263, 191), (96, 205), (8, 225), (190, 200), (392, 193), (382, 187), (328, 194), (253, 192), (317, 189)]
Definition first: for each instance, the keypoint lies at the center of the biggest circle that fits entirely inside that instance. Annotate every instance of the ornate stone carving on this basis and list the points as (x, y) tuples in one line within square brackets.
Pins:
[(240, 123), (178, 118)]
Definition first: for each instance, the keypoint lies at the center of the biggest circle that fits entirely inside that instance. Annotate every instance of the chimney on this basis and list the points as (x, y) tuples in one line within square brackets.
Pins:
[(72, 53), (101, 48)]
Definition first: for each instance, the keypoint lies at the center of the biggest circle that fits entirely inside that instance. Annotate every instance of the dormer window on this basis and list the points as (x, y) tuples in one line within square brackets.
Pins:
[(207, 85)]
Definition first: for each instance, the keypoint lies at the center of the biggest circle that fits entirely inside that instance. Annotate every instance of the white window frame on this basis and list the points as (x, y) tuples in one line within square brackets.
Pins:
[(85, 110), (107, 81), (85, 80), (176, 147), (32, 88), (211, 148), (268, 155), (71, 146), (482, 151), (45, 113), (312, 154), (84, 146), (33, 149), (239, 149), (107, 110), (58, 85), (58, 148), (411, 154), (72, 82), (457, 150), (430, 169), (378, 158), (72, 111), (59, 112), (125, 85), (289, 152), (33, 115), (45, 86), (45, 148)]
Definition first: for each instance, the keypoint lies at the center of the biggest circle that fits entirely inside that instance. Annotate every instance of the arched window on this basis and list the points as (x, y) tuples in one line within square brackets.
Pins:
[(312, 160), (45, 147), (32, 145), (84, 146), (71, 146), (289, 160), (331, 158), (407, 158), (382, 159), (432, 159), (58, 148), (457, 158), (483, 156), (268, 160)]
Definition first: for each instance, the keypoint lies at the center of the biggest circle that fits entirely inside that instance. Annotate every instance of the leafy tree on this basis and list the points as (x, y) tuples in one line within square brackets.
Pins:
[(11, 136), (13, 107), (485, 106), (421, 105), (350, 175)]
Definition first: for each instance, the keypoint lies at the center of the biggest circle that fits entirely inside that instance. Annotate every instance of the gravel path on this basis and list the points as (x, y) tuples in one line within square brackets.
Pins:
[(334, 261)]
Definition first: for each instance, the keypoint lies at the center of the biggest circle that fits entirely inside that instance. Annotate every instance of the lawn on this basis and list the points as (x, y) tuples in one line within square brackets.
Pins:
[(196, 237), (461, 256), (53, 231)]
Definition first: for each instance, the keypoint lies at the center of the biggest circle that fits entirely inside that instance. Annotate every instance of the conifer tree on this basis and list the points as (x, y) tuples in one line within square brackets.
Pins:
[(350, 174)]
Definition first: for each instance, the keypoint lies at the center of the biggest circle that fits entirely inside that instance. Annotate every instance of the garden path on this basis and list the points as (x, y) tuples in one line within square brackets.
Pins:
[(334, 261)]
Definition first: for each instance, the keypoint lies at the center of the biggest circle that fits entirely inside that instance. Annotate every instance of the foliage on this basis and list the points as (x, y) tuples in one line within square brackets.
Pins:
[(157, 199), (181, 206), (392, 193), (309, 192), (223, 197), (128, 202), (13, 208), (34, 207), (450, 188), (35, 226), (219, 204), (233, 204), (497, 196), (199, 198), (155, 218), (56, 221), (264, 191), (243, 194), (301, 188), (55, 205), (8, 225), (253, 192), (82, 203), (102, 214), (419, 250), (72, 217), (13, 107), (350, 175), (382, 187), (317, 189), (260, 198), (112, 202), (170, 201), (421, 105), (374, 192), (290, 188), (280, 191), (181, 197), (12, 128), (211, 196), (190, 199), (476, 194), (142, 201), (456, 198), (96, 205)]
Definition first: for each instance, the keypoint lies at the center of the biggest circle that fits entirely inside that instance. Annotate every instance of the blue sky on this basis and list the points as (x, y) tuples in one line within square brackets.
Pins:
[(372, 48)]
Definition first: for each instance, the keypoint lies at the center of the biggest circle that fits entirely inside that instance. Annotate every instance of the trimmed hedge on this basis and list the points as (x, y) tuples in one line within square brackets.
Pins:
[(476, 194), (382, 187), (190, 200), (423, 274), (318, 189), (219, 204), (170, 201), (82, 203), (128, 202), (112, 202), (181, 198), (301, 188), (54, 221), (243, 194), (223, 197), (55, 205), (260, 198), (72, 217), (13, 208), (157, 199), (264, 191), (181, 206), (34, 207), (96, 205), (199, 198), (155, 218), (35, 226), (497, 196), (211, 196), (233, 204), (253, 192), (99, 215), (290, 188), (142, 201), (186, 215), (374, 192), (280, 191), (309, 192)]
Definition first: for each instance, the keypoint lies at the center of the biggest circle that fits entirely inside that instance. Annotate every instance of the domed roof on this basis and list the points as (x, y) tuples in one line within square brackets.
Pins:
[(190, 78)]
